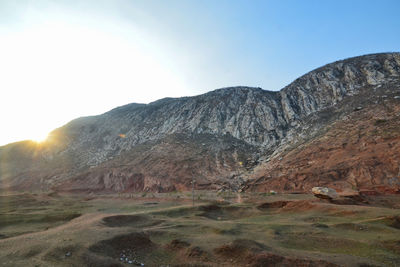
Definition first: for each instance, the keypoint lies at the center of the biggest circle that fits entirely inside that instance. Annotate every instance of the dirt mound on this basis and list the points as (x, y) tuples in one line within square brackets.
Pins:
[(53, 194), (216, 212), (93, 260), (273, 205), (269, 259), (195, 252), (301, 205), (114, 246), (150, 203), (177, 244), (210, 208), (130, 220), (239, 248), (251, 253), (392, 221), (184, 249), (320, 225)]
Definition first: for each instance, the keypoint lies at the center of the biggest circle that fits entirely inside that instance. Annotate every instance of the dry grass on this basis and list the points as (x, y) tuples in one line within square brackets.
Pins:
[(291, 229)]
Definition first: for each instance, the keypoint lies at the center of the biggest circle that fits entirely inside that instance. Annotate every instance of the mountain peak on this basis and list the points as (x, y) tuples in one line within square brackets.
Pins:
[(217, 130)]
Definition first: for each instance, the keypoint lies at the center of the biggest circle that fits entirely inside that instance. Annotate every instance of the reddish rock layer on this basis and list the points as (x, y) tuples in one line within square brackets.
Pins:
[(361, 151)]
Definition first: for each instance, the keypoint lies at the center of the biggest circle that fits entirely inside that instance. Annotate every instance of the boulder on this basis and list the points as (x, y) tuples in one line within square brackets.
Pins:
[(324, 192)]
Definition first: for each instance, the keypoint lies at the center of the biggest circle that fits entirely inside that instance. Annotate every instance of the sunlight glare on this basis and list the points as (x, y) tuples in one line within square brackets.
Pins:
[(60, 70), (39, 137)]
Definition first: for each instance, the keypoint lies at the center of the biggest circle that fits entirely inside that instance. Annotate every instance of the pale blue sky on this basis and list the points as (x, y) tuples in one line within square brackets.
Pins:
[(68, 58)]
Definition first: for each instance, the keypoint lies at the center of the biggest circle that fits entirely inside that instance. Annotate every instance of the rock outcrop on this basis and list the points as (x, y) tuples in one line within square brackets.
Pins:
[(324, 192)]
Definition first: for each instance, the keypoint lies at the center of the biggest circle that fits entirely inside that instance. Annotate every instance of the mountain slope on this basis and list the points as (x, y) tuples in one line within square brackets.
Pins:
[(359, 148), (238, 126)]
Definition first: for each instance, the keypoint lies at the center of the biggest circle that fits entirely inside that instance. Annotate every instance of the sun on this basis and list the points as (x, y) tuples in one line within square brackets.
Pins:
[(39, 137)]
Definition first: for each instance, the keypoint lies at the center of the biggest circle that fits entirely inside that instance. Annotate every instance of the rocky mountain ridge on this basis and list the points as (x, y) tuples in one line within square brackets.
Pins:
[(253, 125)]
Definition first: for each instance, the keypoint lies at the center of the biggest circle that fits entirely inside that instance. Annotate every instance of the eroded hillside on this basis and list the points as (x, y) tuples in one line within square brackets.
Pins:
[(237, 138)]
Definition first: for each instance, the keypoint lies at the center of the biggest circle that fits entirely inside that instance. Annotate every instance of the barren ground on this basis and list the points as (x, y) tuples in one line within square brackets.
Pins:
[(220, 230)]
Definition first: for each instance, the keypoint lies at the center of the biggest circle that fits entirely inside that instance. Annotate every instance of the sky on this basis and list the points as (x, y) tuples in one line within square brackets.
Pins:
[(63, 59)]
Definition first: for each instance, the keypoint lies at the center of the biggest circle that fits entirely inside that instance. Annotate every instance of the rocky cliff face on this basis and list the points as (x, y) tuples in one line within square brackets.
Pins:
[(240, 126), (253, 115), (353, 145)]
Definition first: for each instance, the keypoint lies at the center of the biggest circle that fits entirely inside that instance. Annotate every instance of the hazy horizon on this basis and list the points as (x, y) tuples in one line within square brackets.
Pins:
[(65, 59)]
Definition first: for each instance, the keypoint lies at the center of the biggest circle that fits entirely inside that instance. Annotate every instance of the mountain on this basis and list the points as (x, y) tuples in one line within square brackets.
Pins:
[(337, 125)]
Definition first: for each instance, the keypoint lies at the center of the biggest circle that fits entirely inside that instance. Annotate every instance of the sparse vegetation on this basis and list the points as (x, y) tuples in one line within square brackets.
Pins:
[(161, 230)]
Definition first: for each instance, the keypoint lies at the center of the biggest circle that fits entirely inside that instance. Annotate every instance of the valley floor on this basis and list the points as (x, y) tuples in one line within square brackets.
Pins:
[(223, 229)]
